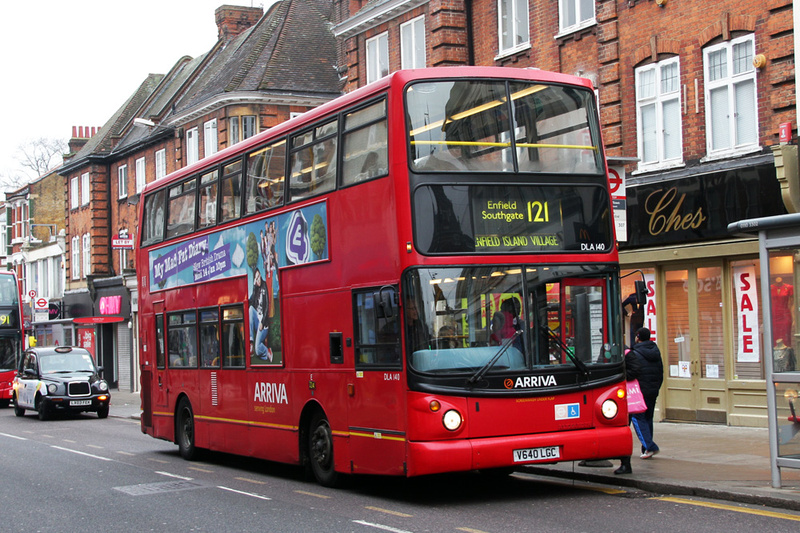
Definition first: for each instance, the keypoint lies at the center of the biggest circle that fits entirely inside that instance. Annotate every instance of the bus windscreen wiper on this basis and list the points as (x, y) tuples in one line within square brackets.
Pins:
[(496, 357), (564, 348)]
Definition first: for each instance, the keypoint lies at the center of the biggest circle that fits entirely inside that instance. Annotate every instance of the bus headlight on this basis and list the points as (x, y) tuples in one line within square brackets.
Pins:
[(610, 409), (452, 420)]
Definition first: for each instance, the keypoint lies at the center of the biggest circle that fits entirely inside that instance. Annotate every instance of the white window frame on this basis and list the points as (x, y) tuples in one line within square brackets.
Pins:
[(75, 266), (74, 195), (192, 146), (740, 140), (161, 163), (122, 181), (662, 103), (141, 174), (515, 24), (234, 135), (210, 138), (585, 13), (85, 189), (377, 57), (412, 43), (87, 254), (249, 126)]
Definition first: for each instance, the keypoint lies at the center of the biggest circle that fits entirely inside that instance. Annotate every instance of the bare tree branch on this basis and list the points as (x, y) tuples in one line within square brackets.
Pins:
[(41, 155)]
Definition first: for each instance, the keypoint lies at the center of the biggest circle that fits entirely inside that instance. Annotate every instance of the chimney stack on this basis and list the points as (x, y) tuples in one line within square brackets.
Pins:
[(233, 20), (80, 135)]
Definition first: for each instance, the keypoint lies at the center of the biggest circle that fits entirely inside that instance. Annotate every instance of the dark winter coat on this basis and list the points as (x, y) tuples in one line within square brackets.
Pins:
[(643, 362)]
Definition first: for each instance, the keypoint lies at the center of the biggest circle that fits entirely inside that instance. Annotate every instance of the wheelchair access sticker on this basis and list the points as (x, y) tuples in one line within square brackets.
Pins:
[(567, 411)]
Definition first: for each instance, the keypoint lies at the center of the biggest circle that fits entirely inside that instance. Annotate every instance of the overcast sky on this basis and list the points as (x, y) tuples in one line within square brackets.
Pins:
[(74, 62)]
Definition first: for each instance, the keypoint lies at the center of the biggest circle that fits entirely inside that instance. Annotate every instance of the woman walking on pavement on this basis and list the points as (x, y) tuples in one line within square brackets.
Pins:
[(644, 363)]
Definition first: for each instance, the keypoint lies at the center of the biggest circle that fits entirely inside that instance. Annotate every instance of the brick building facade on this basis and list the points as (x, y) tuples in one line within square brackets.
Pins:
[(691, 98)]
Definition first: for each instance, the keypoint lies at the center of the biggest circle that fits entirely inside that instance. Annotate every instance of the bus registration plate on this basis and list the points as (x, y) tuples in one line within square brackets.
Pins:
[(547, 453), (75, 403)]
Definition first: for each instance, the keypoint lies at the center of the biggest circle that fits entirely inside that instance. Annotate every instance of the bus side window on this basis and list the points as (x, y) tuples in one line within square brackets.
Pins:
[(231, 191), (208, 200), (209, 338), (180, 213), (365, 154), (313, 162), (182, 339), (265, 177), (233, 351), (153, 225)]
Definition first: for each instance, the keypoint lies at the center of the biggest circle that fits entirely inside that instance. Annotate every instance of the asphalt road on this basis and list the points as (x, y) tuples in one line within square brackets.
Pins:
[(85, 474)]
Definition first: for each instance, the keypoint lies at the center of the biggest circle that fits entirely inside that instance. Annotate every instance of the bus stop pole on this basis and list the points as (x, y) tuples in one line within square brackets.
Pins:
[(763, 254)]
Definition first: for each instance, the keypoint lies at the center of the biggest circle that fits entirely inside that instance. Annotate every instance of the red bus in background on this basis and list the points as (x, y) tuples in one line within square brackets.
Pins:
[(11, 334), (417, 277)]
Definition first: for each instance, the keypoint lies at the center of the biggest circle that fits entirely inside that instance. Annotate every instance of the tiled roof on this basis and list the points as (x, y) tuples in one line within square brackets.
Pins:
[(290, 51)]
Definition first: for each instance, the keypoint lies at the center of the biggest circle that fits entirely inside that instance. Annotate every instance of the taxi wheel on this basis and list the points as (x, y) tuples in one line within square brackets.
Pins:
[(19, 411), (44, 412), (102, 411)]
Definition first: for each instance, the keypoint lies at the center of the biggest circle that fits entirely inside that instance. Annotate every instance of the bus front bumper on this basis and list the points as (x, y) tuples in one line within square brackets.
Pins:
[(460, 455)]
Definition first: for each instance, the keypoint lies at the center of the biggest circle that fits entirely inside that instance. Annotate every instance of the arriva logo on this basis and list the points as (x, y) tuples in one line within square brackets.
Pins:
[(528, 382), (270, 393)]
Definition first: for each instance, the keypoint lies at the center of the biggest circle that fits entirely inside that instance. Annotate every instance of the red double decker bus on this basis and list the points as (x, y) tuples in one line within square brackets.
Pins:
[(418, 277), (11, 334)]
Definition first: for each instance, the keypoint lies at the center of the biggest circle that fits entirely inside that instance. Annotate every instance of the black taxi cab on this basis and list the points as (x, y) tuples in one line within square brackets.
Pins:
[(61, 379)]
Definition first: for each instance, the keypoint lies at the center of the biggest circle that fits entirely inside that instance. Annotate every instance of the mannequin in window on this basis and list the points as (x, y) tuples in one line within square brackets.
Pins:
[(783, 357), (782, 299)]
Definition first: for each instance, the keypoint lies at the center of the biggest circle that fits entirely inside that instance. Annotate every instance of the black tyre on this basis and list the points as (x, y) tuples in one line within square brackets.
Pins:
[(41, 408), (4, 403), (19, 411), (320, 451), (184, 430), (102, 412)]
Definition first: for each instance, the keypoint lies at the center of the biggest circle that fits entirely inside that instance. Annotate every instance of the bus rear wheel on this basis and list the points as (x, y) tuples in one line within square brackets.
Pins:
[(320, 451), (184, 430)]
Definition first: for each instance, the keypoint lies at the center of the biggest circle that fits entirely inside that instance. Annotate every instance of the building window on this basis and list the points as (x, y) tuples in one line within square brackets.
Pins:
[(658, 113), (86, 255), (85, 188), (192, 146), (73, 193), (141, 179), (377, 57), (75, 266), (122, 180), (161, 163), (233, 131), (240, 128), (575, 14), (412, 43), (514, 25), (731, 103), (210, 137), (248, 126)]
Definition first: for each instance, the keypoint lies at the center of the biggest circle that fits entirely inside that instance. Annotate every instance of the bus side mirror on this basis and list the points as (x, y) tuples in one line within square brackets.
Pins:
[(641, 292), (385, 299)]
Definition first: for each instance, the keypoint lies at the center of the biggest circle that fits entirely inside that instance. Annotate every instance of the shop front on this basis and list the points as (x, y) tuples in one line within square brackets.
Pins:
[(703, 289)]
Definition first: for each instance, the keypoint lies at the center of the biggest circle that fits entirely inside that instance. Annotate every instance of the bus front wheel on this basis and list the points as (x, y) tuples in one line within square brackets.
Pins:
[(184, 430), (320, 451)]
